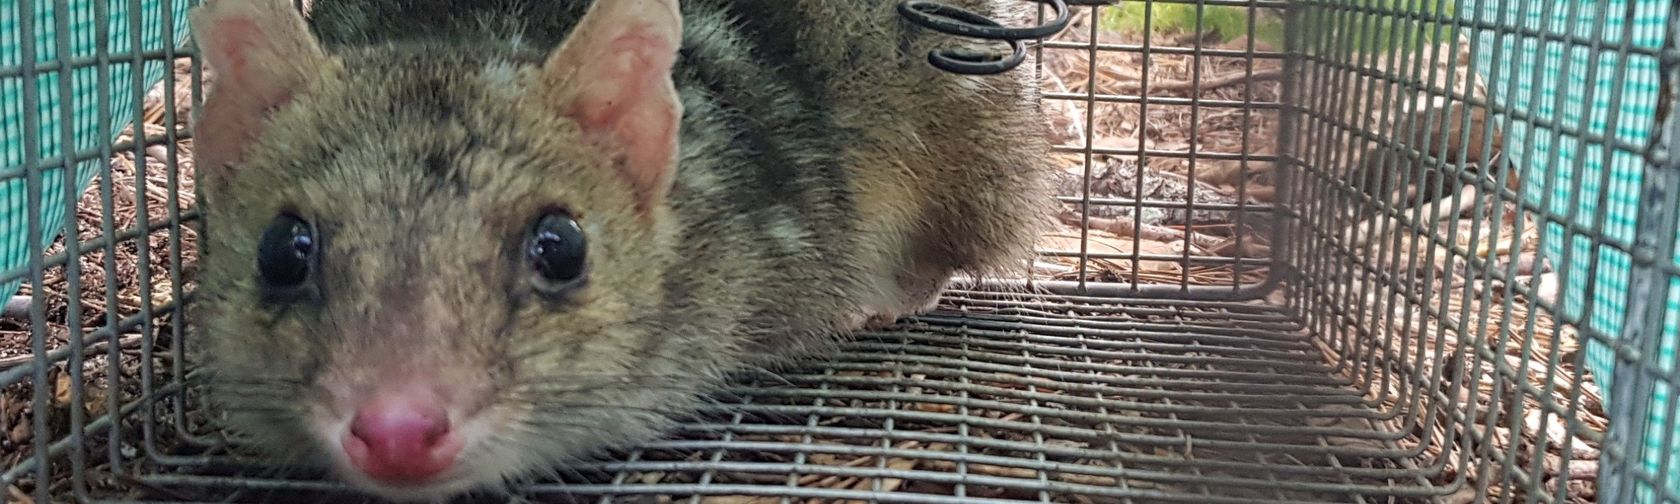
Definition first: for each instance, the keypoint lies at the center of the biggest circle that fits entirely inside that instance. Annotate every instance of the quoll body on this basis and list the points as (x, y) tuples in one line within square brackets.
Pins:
[(453, 244)]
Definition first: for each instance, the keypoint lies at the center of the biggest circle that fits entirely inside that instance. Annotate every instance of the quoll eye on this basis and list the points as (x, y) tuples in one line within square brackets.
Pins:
[(283, 255), (557, 253)]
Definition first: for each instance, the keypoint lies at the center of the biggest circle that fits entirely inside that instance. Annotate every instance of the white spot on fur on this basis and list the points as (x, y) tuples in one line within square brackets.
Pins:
[(703, 181), (788, 234), (501, 77)]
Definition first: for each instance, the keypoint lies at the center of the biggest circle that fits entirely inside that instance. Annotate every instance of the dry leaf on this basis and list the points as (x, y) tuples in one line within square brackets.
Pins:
[(897, 464), (61, 390), (17, 496), (935, 407), (162, 292), (94, 402), (20, 432)]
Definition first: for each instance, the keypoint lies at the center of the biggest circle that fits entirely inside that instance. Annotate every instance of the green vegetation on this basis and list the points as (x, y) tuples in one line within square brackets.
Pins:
[(1366, 25), (1388, 25), (1223, 22)]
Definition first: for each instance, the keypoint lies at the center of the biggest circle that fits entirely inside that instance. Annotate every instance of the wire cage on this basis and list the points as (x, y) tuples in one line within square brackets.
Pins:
[(1311, 251)]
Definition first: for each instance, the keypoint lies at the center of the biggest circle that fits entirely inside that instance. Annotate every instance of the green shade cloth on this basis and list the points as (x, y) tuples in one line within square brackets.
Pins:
[(85, 105), (1555, 110)]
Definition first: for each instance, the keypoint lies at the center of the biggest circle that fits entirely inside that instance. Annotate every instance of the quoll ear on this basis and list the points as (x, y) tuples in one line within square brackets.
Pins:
[(613, 76), (261, 54)]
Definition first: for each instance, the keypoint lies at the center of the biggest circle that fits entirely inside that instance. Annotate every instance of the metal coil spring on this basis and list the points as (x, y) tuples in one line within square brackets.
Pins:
[(961, 22)]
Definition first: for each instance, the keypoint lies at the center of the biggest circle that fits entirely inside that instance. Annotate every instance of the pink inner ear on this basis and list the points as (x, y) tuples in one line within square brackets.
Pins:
[(628, 101), (253, 78), (234, 40), (235, 43)]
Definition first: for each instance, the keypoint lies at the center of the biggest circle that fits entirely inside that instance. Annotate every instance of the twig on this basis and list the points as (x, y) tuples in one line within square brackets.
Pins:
[(1073, 116), (1213, 83), (1125, 227), (1583, 470), (1249, 248), (130, 341), (17, 495), (1467, 200)]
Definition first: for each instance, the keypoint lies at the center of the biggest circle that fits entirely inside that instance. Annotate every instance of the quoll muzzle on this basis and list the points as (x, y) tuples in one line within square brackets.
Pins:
[(401, 438)]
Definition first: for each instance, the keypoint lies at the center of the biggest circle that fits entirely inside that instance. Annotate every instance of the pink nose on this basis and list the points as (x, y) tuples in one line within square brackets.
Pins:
[(401, 440)]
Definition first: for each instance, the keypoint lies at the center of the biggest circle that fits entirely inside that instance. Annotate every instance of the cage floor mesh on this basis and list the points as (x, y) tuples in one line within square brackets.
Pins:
[(988, 401)]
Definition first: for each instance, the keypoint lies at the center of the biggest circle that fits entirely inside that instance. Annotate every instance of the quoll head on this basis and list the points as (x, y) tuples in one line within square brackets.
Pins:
[(432, 268)]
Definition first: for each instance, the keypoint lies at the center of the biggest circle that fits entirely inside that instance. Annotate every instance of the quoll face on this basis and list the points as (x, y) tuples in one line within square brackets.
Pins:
[(424, 321), (437, 272)]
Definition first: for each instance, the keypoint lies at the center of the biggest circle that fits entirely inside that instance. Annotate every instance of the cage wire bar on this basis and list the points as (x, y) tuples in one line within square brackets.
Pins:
[(1382, 349)]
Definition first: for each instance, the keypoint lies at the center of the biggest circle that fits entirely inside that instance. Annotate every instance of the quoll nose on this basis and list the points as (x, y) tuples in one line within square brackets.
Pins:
[(401, 440)]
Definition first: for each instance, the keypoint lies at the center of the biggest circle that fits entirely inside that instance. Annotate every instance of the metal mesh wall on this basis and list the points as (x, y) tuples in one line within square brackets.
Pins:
[(1525, 135), (1299, 262)]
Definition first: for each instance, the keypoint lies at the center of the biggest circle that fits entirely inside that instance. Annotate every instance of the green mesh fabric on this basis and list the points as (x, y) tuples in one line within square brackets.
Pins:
[(95, 119), (1573, 96)]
